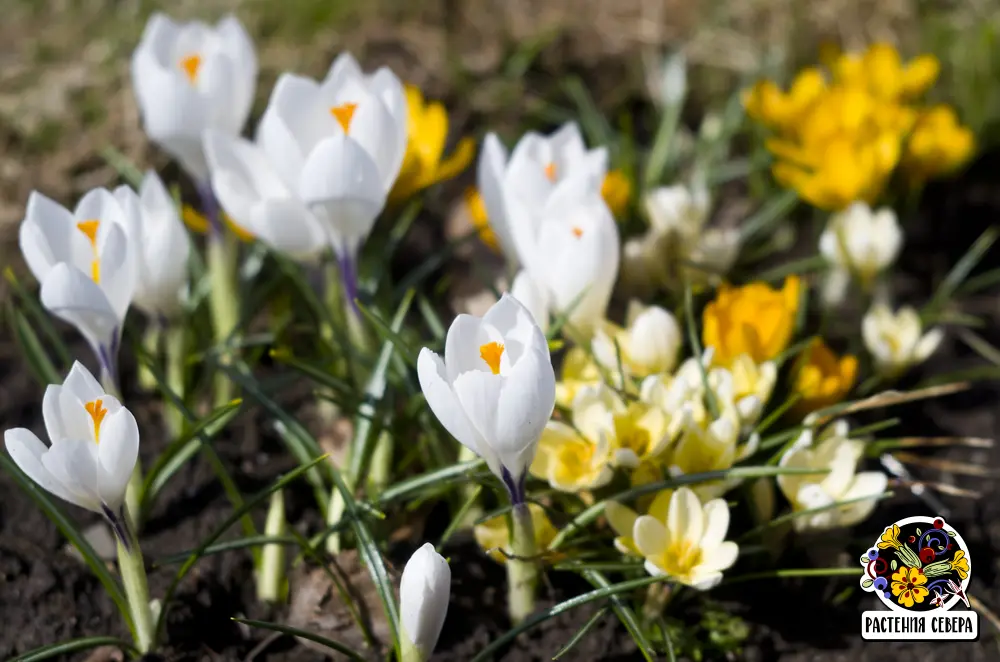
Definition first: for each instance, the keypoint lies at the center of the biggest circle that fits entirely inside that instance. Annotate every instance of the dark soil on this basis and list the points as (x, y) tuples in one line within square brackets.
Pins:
[(47, 595)]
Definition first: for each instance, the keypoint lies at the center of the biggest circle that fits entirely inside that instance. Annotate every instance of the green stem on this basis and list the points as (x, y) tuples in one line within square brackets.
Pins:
[(133, 573), (657, 597), (522, 573), (221, 259), (380, 472), (469, 491), (659, 155), (409, 652), (176, 358), (334, 514), (150, 343), (271, 573), (133, 498)]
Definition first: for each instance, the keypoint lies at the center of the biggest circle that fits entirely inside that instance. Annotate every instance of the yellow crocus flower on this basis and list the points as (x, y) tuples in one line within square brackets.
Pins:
[(480, 220), (616, 189), (493, 535), (822, 378), (939, 144), (423, 164), (197, 222), (768, 104), (755, 319), (880, 70), (622, 520), (578, 370)]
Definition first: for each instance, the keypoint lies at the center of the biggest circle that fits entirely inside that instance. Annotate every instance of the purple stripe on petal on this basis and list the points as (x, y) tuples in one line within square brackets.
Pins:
[(210, 207)]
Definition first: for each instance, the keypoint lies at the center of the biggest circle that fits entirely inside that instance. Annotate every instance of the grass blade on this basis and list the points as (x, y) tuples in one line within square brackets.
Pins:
[(624, 614), (437, 478), (582, 632), (228, 546), (295, 632), (69, 531), (960, 272), (74, 646), (237, 514), (38, 359)]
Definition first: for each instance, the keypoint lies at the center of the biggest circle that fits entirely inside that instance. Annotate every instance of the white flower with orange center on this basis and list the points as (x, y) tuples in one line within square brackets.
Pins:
[(516, 190), (93, 446), (494, 391), (189, 77), (338, 144), (81, 259)]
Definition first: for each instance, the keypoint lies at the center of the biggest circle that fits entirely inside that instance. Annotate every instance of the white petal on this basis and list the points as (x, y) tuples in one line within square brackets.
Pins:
[(707, 581), (385, 85), (867, 483), (650, 536), (118, 271), (534, 298), (461, 346), (526, 402), (621, 518), (73, 463), (716, 514), (117, 454), (685, 520), (479, 394), (82, 384), (490, 173), (45, 234), (76, 299), (719, 557), (928, 344), (27, 450), (239, 47), (442, 401)]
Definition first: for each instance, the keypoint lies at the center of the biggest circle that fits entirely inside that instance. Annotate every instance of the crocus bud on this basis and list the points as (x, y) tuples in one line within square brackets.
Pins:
[(189, 77), (94, 444), (896, 340), (424, 592), (495, 389), (861, 241), (159, 245)]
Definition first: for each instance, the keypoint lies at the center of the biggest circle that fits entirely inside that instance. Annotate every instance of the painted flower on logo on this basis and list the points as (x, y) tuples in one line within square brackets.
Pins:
[(908, 586), (960, 564), (890, 538)]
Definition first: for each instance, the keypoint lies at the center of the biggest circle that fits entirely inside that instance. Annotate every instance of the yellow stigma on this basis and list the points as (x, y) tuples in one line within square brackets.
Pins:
[(550, 171), (89, 228), (344, 113), (190, 65), (491, 353), (97, 411)]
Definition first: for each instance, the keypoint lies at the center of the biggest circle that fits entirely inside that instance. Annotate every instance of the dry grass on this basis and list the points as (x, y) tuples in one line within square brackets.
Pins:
[(64, 91)]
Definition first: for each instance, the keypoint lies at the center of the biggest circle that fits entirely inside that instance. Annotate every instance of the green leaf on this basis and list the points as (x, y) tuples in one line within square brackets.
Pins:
[(867, 583), (69, 530), (39, 318), (180, 450), (455, 473), (294, 632), (773, 211), (391, 335), (74, 646), (38, 359), (777, 521), (235, 516), (959, 273), (582, 632), (123, 165), (696, 350), (893, 565), (918, 532), (227, 546), (624, 614)]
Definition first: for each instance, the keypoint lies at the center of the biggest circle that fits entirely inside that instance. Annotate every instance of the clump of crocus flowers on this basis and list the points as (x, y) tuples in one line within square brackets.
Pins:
[(840, 132)]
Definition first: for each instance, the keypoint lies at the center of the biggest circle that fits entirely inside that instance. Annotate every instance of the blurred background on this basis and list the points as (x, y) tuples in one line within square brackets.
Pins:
[(498, 64)]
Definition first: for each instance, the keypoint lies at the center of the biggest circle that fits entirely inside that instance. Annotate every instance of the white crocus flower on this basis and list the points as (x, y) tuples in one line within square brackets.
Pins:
[(338, 145), (424, 593), (93, 446), (517, 189), (648, 344), (495, 389), (189, 77), (250, 190), (894, 339), (831, 450), (862, 242), (690, 545), (159, 245), (82, 261), (577, 260), (677, 210)]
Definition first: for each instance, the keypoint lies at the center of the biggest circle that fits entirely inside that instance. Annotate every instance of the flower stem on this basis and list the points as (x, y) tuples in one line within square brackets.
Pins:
[(224, 302), (133, 498), (150, 343), (522, 573), (380, 472), (657, 597), (409, 651), (334, 513), (176, 357), (474, 512), (133, 573), (271, 573)]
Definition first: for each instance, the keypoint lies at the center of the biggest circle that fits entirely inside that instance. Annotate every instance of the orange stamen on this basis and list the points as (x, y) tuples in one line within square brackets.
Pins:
[(550, 171), (191, 64), (491, 353), (89, 228), (577, 232), (97, 412), (344, 113)]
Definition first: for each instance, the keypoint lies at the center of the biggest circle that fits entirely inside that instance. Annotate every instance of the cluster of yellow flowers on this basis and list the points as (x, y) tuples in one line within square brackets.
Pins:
[(840, 134)]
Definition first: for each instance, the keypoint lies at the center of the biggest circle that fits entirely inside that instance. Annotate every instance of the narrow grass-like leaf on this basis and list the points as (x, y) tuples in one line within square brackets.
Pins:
[(696, 350), (582, 632), (459, 518), (313, 372), (182, 449), (295, 632), (796, 572), (795, 514), (389, 334), (455, 473), (123, 166), (597, 594), (227, 546), (595, 125), (41, 319), (414, 278), (38, 359), (773, 211), (588, 515), (959, 272), (624, 614), (70, 532), (235, 516), (800, 266), (74, 646)]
